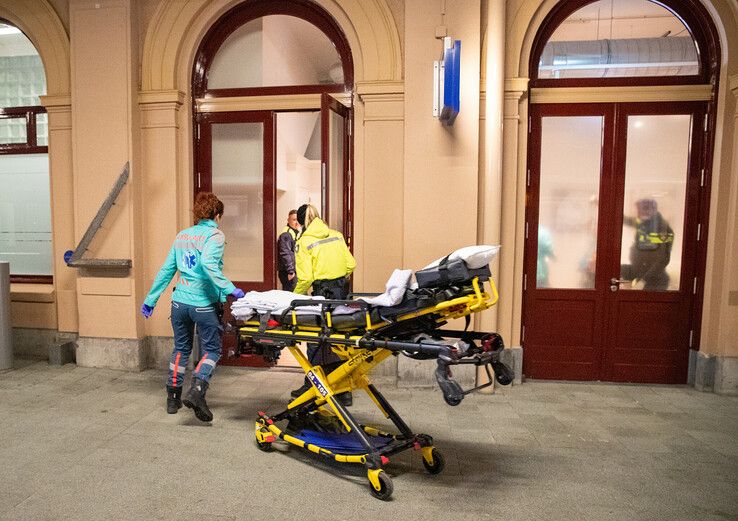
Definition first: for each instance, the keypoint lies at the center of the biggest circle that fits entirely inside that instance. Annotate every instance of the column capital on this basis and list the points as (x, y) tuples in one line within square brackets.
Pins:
[(147, 97), (61, 101), (516, 86)]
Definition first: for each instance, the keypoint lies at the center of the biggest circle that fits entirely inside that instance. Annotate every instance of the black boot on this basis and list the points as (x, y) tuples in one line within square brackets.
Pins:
[(174, 399), (195, 400), (295, 393)]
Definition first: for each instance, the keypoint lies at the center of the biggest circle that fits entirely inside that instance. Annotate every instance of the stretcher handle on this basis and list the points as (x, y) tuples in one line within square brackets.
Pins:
[(424, 348)]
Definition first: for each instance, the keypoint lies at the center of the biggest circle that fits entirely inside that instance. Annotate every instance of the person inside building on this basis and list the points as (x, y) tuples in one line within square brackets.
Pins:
[(651, 249), (323, 262), (286, 253), (197, 253)]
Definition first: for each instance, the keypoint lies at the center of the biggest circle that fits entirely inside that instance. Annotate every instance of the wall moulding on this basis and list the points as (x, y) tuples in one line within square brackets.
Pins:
[(146, 97), (655, 93)]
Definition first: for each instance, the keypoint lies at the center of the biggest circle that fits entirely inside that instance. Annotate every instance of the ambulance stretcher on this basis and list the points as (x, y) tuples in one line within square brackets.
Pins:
[(362, 339)]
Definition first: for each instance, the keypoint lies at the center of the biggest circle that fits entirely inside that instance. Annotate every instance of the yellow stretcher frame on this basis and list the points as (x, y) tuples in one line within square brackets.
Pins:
[(360, 355)]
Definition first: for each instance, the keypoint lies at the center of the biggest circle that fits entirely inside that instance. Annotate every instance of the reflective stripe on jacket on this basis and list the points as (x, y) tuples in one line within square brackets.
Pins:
[(321, 254), (197, 253)]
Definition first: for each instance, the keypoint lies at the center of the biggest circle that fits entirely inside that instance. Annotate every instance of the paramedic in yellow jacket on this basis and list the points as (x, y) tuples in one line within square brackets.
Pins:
[(324, 262)]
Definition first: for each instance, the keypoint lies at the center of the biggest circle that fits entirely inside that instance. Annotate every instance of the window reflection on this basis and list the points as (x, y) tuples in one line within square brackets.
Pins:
[(655, 193)]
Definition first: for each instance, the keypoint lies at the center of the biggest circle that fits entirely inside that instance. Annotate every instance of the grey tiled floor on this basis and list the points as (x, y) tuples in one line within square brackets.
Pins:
[(78, 443)]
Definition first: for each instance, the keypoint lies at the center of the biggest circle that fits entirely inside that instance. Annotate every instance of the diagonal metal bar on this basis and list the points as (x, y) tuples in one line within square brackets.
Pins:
[(76, 261)]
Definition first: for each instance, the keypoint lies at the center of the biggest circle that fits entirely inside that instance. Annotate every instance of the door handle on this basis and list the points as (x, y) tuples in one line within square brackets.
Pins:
[(615, 283)]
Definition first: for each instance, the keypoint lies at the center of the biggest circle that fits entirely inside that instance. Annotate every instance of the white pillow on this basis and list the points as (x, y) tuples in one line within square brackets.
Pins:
[(474, 256)]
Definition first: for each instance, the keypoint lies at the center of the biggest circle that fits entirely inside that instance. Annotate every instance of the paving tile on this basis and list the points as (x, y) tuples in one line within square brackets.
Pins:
[(91, 444)]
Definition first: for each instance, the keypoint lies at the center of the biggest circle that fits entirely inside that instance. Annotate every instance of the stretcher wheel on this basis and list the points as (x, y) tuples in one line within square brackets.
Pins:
[(265, 446), (386, 487), (438, 464)]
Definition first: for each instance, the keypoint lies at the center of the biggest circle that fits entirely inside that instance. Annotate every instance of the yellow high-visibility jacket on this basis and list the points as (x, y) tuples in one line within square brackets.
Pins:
[(321, 254)]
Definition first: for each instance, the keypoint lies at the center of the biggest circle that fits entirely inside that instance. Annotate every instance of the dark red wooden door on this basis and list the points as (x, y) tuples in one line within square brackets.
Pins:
[(235, 160), (612, 240)]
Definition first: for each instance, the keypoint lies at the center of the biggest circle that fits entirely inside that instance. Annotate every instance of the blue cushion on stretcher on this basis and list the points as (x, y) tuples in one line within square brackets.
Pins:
[(340, 443)]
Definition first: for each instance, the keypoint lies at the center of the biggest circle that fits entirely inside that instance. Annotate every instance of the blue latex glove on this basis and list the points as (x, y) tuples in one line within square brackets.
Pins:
[(146, 310), (237, 293)]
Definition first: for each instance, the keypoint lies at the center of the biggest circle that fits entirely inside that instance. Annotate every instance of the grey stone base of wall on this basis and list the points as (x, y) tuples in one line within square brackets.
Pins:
[(44, 344), (155, 352), (112, 353), (718, 374), (513, 358)]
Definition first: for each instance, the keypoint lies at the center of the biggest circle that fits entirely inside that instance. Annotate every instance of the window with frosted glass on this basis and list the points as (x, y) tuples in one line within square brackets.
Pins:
[(25, 210), (25, 214), (656, 170), (238, 163), (571, 161), (275, 50), (619, 38)]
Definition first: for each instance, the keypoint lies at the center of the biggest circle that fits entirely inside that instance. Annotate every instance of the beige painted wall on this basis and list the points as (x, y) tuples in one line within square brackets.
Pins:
[(416, 182), (441, 163), (103, 120)]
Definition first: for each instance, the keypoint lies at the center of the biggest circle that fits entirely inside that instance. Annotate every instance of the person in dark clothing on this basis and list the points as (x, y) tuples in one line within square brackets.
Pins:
[(651, 250), (286, 253)]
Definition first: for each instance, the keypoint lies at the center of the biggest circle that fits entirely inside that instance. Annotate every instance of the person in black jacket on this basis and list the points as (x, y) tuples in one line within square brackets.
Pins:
[(651, 250), (286, 253)]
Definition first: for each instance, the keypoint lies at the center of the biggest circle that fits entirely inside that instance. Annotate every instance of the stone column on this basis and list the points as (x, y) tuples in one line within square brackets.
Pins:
[(163, 185), (379, 114), (726, 363), (61, 178), (512, 218), (104, 64), (490, 160)]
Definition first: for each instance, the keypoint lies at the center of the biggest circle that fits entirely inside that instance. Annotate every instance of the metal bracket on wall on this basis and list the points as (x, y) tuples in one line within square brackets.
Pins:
[(76, 261)]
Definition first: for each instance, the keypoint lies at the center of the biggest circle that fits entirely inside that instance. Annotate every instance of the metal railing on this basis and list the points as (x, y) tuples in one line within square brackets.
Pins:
[(76, 260)]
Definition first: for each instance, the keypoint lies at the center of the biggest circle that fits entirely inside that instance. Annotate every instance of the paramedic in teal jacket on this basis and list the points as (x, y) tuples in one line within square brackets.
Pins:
[(197, 253)]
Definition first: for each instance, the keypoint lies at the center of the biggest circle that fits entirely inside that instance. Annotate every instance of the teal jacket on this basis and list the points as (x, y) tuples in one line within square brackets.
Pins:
[(197, 253)]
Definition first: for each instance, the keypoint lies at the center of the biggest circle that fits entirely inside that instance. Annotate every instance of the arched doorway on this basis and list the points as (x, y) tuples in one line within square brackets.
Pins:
[(620, 146), (272, 90)]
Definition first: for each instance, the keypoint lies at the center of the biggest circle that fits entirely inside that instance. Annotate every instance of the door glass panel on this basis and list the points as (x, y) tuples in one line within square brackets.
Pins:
[(571, 157), (298, 163), (656, 169), (238, 177), (336, 170)]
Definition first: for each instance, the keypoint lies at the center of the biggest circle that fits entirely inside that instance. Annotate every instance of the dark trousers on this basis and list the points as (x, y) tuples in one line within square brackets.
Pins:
[(184, 320), (658, 281), (336, 289), (287, 284)]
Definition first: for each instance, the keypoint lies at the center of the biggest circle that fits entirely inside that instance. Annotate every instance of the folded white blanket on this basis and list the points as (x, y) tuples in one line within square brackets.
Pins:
[(274, 300), (394, 289), (474, 256)]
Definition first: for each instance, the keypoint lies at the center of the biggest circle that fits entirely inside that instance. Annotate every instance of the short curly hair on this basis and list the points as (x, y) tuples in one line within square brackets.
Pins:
[(207, 206)]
